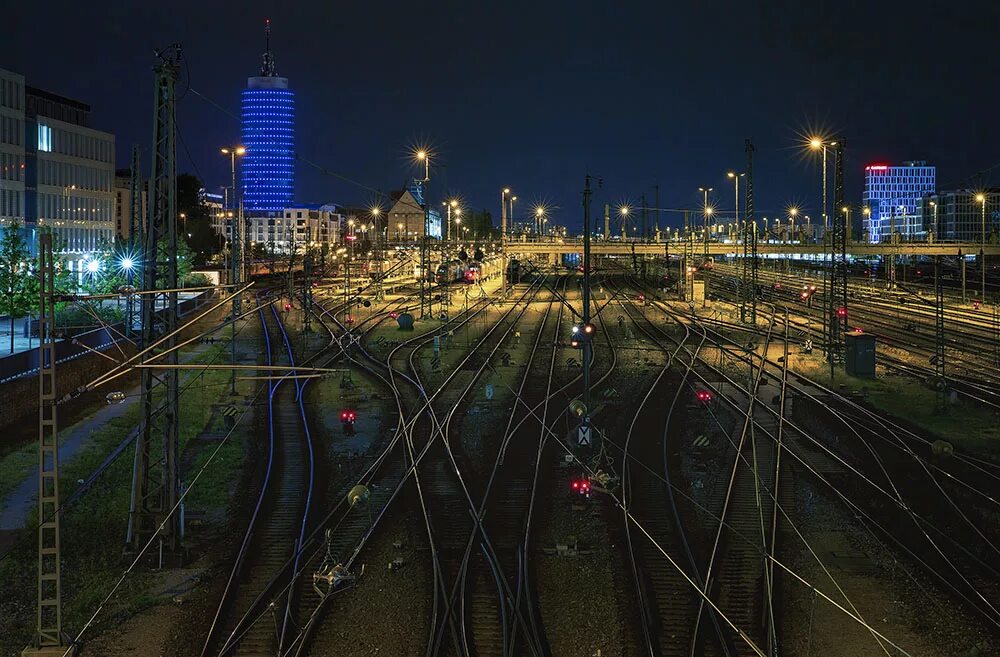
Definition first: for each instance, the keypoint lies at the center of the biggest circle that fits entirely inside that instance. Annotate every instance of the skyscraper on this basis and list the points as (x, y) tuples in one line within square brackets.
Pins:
[(893, 195), (268, 127)]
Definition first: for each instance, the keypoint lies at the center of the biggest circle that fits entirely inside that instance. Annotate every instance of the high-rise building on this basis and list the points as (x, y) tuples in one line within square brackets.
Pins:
[(268, 129), (892, 194)]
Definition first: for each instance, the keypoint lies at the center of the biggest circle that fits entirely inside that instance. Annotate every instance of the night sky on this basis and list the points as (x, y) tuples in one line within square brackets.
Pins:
[(535, 95)]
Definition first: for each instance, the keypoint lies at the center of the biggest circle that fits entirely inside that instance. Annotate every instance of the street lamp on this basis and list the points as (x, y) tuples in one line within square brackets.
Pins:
[(450, 205), (817, 143), (867, 211), (981, 199), (424, 156), (933, 205), (736, 179)]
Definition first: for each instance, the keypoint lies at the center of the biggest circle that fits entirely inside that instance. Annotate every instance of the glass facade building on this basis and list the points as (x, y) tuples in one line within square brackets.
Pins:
[(268, 133), (893, 194)]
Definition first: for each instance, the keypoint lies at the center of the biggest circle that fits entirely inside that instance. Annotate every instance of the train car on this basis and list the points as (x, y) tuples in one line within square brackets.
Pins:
[(451, 271), (514, 271), (474, 273)]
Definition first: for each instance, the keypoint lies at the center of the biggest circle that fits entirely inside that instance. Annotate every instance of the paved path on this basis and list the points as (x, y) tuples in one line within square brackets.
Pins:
[(21, 500)]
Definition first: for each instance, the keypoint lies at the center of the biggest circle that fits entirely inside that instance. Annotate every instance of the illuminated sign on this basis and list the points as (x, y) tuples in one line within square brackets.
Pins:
[(877, 167)]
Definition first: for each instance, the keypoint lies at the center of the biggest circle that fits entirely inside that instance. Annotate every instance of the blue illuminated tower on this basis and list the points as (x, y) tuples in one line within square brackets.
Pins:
[(268, 122)]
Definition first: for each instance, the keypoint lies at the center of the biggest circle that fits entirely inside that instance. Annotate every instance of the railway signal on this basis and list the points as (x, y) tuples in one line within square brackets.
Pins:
[(347, 419), (581, 486), (704, 396), (841, 312)]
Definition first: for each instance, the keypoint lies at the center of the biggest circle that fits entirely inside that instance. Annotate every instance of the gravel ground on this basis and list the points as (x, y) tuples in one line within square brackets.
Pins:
[(386, 614), (914, 613)]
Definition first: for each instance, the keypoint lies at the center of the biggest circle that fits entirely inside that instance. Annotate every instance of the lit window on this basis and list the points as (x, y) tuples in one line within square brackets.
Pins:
[(44, 138)]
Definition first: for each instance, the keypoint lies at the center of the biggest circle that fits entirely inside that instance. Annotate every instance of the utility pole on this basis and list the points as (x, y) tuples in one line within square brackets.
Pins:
[(749, 244), (656, 204), (838, 262), (135, 230), (940, 385), (503, 243), (588, 349), (307, 288), (48, 639), (155, 478)]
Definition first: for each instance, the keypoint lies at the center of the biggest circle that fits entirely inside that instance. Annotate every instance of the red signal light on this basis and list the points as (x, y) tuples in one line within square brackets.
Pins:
[(704, 396), (841, 312), (642, 297), (588, 329), (288, 307), (394, 314), (348, 416), (349, 320), (574, 343), (581, 486)]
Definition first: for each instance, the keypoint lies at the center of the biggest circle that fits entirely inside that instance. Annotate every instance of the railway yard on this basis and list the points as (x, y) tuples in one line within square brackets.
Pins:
[(708, 486)]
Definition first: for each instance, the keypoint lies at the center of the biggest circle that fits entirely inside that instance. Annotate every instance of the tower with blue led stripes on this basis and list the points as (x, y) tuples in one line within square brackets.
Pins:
[(268, 124)]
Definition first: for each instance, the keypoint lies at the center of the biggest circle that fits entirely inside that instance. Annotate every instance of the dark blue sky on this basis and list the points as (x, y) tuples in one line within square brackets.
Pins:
[(535, 95)]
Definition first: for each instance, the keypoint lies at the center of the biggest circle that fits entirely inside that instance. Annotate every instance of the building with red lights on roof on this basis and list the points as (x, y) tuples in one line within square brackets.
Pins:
[(893, 196)]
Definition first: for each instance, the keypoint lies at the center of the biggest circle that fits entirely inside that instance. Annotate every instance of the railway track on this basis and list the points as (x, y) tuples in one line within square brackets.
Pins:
[(279, 518), (925, 528)]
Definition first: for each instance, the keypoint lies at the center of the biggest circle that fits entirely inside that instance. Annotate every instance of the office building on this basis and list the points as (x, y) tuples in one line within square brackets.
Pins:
[(11, 148), (292, 228), (958, 215), (893, 195), (268, 130)]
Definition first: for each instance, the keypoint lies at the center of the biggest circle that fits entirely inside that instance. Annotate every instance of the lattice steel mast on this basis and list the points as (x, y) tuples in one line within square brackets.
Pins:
[(156, 479), (136, 227), (48, 630)]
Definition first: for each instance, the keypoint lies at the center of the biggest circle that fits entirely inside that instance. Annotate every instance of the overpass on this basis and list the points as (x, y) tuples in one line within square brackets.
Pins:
[(561, 246)]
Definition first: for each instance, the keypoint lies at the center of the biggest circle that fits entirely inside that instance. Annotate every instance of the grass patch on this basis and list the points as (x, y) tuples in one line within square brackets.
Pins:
[(968, 427), (93, 530)]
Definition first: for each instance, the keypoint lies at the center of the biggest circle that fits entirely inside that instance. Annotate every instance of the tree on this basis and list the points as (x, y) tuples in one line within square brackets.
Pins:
[(18, 285), (195, 226)]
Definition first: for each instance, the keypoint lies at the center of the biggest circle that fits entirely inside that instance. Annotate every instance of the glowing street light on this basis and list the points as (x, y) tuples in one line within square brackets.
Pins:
[(981, 199), (422, 155), (818, 143)]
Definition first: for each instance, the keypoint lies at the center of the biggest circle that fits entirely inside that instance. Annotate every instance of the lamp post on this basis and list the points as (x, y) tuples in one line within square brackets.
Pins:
[(425, 256), (867, 211), (452, 204), (235, 255), (736, 179), (503, 212), (792, 213), (707, 212), (816, 144), (981, 199)]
